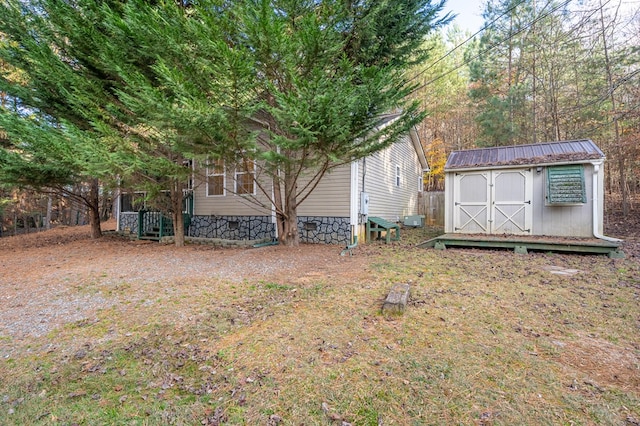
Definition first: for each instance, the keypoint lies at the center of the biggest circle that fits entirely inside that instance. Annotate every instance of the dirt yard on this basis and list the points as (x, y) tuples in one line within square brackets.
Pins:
[(43, 274), (114, 331)]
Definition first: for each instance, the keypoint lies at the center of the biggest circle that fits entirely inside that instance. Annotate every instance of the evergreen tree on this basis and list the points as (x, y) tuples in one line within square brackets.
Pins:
[(323, 73), (291, 88), (296, 87), (49, 142), (70, 92)]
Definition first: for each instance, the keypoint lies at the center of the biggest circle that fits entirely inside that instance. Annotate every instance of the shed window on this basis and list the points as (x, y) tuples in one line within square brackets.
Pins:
[(398, 176), (565, 185)]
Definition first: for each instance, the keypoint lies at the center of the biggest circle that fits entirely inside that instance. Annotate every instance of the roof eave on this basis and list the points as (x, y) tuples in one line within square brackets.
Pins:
[(417, 145), (525, 165)]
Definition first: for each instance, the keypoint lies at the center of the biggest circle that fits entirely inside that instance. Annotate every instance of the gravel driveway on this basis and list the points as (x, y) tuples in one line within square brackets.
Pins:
[(60, 276)]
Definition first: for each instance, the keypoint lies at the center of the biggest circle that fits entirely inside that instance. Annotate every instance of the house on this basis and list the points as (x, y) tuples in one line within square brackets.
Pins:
[(545, 189), (226, 203)]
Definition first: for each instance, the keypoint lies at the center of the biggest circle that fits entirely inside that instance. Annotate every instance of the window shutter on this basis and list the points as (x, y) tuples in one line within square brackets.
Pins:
[(565, 185)]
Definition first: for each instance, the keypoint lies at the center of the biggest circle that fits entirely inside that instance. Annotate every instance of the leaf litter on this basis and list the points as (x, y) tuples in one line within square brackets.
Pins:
[(488, 338)]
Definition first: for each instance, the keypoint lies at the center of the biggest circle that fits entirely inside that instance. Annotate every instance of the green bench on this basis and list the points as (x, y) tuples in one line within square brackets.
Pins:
[(378, 224)]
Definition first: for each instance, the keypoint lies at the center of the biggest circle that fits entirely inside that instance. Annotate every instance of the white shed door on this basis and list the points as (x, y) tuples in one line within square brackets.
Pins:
[(471, 202), (493, 202)]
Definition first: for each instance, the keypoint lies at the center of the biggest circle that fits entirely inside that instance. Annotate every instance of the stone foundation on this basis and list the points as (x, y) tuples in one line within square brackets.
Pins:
[(313, 229), (322, 229), (232, 227), (129, 222)]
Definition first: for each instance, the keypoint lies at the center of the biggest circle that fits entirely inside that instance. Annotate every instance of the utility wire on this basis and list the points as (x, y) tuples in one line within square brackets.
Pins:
[(604, 96), (508, 37), (467, 40), (499, 42)]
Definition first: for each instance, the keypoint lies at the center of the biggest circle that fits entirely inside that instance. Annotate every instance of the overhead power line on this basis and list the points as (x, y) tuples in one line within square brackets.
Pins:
[(499, 42), (467, 40)]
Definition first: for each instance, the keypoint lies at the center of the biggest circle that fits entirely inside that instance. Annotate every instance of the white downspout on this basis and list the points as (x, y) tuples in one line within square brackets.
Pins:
[(596, 231), (353, 201), (116, 202)]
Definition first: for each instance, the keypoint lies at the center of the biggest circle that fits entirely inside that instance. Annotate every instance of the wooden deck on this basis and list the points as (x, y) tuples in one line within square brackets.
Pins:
[(522, 244)]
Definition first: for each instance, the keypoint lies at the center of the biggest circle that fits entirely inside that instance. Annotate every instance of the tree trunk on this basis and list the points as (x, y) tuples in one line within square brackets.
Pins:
[(534, 78), (290, 236), (277, 204), (618, 148), (47, 220), (93, 203), (176, 214)]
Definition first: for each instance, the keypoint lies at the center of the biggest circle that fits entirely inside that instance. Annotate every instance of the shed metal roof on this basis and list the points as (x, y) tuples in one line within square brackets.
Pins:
[(539, 153)]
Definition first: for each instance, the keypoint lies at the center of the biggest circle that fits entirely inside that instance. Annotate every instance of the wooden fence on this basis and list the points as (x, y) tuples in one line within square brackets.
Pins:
[(431, 205)]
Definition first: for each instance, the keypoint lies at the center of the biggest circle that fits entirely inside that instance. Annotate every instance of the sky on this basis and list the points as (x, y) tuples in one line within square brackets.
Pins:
[(468, 11)]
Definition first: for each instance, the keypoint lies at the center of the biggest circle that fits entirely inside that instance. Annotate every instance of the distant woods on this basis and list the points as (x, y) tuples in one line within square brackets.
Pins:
[(539, 71), (23, 211)]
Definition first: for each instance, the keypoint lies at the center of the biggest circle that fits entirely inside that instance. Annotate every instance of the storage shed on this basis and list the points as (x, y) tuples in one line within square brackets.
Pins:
[(545, 189)]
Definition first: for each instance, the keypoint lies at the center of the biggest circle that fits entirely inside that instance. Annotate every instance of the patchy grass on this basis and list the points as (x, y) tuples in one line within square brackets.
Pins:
[(489, 337)]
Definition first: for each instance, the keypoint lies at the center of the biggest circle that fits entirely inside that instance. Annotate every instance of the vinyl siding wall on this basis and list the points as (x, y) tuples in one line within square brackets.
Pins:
[(230, 204), (387, 200), (331, 196)]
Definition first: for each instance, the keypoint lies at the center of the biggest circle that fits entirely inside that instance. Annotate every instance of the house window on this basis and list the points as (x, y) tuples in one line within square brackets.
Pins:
[(132, 202), (245, 178), (215, 178), (565, 185), (190, 165), (397, 176)]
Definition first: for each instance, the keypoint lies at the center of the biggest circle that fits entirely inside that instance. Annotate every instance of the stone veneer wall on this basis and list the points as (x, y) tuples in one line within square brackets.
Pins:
[(232, 227), (129, 220), (328, 230)]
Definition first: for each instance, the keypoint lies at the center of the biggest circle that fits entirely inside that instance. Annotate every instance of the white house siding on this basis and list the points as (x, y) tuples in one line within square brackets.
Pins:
[(387, 200), (232, 216), (324, 216)]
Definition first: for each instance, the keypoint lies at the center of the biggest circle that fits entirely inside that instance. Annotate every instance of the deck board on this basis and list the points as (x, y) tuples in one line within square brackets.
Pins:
[(540, 243)]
